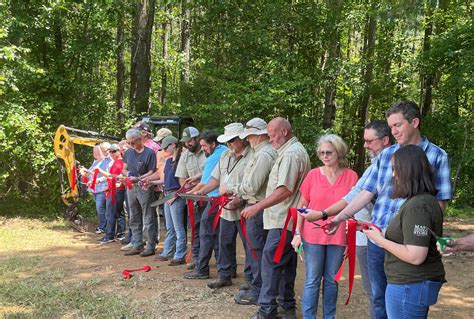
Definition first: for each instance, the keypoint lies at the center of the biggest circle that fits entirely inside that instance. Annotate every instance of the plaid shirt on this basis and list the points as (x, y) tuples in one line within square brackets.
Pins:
[(379, 181)]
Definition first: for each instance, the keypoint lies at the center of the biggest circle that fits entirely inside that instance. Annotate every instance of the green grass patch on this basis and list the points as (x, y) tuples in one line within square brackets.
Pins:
[(460, 212)]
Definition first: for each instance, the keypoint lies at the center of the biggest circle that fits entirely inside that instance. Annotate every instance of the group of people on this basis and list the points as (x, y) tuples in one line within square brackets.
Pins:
[(245, 182)]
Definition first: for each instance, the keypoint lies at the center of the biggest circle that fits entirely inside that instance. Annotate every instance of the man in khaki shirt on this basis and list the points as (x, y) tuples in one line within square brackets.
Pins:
[(189, 170), (229, 171), (252, 189), (287, 174)]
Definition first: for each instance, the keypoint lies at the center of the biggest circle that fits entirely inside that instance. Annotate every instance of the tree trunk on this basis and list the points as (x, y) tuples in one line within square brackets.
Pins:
[(186, 40), (164, 56), (140, 69), (427, 77), (367, 72), (332, 66), (120, 76)]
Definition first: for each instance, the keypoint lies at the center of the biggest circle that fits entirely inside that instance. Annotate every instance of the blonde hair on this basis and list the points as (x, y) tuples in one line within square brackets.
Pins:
[(339, 145)]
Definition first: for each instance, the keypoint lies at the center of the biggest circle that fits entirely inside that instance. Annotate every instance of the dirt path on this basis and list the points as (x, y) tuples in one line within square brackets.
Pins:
[(170, 295)]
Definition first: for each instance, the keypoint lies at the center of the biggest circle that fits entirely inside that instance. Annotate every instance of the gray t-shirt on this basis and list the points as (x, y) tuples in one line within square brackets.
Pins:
[(139, 163)]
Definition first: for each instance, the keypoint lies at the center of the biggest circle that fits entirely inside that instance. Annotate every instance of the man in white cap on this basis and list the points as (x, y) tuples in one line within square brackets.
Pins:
[(252, 189), (229, 171), (287, 174), (189, 171)]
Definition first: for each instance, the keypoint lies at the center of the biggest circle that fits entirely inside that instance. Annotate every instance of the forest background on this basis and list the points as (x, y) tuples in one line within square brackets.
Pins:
[(326, 65)]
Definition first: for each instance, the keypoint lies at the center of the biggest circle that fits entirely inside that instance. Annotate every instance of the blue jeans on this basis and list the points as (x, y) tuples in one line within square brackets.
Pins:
[(322, 262), (411, 300), (101, 207), (120, 213), (378, 280), (175, 232), (364, 272), (142, 217), (278, 280)]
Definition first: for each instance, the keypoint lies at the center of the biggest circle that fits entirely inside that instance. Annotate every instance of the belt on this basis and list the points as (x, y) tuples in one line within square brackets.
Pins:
[(169, 191)]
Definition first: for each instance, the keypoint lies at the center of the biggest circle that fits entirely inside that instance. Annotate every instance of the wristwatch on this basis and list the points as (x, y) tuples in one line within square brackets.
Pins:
[(324, 215)]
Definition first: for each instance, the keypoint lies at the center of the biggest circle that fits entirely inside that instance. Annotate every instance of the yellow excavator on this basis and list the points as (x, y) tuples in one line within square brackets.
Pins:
[(72, 189)]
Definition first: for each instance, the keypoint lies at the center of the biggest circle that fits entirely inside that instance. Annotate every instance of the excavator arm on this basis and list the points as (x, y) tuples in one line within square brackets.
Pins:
[(65, 140)]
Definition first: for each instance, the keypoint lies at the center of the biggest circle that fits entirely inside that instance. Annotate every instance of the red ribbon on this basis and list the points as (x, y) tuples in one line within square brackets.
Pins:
[(127, 272), (351, 255), (191, 221), (112, 185), (218, 201), (243, 226), (128, 182), (73, 177), (85, 179), (292, 214), (94, 178)]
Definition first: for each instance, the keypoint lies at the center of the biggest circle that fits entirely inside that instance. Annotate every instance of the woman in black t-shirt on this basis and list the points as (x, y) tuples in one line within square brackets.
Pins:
[(413, 265)]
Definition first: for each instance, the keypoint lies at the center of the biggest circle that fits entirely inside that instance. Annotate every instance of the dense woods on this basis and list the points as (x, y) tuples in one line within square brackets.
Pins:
[(327, 65)]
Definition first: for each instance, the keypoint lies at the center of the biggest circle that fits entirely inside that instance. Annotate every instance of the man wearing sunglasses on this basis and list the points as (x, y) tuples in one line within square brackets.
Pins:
[(140, 162)]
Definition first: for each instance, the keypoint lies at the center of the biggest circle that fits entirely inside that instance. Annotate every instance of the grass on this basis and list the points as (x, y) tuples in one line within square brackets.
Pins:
[(30, 288)]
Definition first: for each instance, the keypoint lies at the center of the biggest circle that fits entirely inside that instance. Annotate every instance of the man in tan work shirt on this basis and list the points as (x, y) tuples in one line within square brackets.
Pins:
[(189, 171), (252, 189), (286, 176)]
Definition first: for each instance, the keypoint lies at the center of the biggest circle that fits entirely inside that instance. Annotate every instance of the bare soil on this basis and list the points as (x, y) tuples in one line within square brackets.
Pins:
[(171, 295)]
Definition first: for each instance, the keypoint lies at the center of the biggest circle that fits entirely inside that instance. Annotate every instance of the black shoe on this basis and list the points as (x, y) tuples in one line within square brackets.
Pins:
[(258, 315), (245, 297), (245, 286), (286, 314), (125, 241), (195, 275), (219, 283), (147, 253), (161, 258)]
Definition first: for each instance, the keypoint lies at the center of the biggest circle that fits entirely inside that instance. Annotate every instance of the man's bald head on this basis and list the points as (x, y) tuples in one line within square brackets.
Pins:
[(279, 131)]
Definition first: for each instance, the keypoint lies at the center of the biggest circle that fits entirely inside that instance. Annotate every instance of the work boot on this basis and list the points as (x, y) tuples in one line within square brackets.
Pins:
[(176, 262), (161, 258), (219, 283), (245, 297), (129, 246), (133, 251), (147, 253), (195, 275), (286, 314), (247, 285)]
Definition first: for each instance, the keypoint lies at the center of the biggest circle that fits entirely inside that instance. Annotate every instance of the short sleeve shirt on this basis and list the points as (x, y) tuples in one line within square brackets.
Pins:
[(319, 194), (254, 182), (190, 164), (209, 166), (290, 168), (419, 216), (379, 181), (139, 163), (152, 144), (229, 171), (116, 169)]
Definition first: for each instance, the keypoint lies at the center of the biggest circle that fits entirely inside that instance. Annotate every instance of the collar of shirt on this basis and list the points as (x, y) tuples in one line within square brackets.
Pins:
[(261, 145), (285, 146)]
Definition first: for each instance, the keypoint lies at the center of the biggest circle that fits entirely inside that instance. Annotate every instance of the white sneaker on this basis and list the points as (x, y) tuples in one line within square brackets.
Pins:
[(127, 247)]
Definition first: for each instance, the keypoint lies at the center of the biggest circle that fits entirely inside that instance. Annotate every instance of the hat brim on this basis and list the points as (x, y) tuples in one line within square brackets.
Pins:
[(185, 139), (245, 134), (225, 138)]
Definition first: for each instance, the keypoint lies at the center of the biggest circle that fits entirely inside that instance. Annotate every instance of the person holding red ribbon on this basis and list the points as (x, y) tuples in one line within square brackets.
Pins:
[(413, 266), (323, 186), (279, 274)]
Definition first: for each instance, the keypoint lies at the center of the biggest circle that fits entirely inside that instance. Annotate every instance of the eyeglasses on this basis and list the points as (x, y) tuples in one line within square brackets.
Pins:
[(232, 140), (370, 141), (328, 153)]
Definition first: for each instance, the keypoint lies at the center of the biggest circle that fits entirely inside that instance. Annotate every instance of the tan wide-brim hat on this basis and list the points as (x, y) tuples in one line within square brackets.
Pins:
[(161, 134), (231, 131), (255, 126)]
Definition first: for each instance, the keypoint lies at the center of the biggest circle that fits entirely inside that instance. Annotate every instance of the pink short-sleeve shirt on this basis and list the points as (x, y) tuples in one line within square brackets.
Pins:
[(320, 194)]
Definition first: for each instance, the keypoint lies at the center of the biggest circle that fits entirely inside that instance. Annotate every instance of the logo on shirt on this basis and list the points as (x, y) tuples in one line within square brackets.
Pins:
[(420, 230)]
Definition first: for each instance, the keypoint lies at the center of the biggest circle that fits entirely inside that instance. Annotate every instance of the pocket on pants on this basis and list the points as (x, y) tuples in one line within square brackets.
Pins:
[(429, 292)]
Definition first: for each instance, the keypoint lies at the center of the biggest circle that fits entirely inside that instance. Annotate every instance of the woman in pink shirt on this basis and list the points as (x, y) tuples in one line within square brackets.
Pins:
[(322, 187)]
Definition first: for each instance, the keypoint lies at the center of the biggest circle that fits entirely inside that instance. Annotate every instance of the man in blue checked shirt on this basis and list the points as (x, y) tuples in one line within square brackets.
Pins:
[(404, 119)]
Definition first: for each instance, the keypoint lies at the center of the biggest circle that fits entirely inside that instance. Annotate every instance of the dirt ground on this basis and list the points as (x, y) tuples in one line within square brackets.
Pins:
[(171, 295)]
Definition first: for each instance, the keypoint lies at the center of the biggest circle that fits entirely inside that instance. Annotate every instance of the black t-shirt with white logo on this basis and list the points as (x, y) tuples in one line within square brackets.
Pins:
[(417, 217)]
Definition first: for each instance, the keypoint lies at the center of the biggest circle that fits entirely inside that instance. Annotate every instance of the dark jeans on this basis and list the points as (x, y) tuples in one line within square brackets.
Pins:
[(256, 236), (142, 217), (208, 241), (113, 214), (278, 280), (378, 280), (198, 211)]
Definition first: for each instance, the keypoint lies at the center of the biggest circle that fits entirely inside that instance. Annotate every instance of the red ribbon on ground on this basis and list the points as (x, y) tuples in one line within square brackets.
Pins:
[(218, 202), (243, 226), (112, 185), (94, 178), (292, 214), (73, 177), (127, 272), (191, 221)]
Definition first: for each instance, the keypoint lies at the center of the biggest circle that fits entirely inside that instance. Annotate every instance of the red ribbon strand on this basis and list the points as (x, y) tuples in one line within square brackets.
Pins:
[(243, 226), (292, 214), (127, 272), (191, 221)]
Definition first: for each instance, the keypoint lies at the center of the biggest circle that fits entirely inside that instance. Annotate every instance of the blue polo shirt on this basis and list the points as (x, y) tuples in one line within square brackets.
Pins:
[(209, 165)]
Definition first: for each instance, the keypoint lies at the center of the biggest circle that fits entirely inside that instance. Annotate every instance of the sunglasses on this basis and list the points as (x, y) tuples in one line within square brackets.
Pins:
[(328, 153), (370, 141), (232, 140), (113, 151)]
